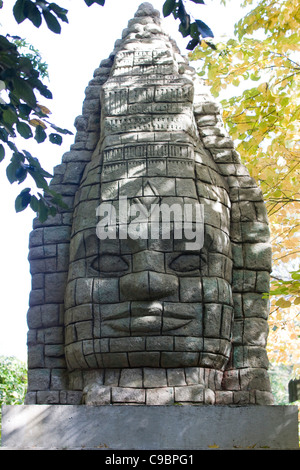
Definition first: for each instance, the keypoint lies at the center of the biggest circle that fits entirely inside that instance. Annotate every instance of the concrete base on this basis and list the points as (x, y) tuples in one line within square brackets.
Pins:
[(149, 427)]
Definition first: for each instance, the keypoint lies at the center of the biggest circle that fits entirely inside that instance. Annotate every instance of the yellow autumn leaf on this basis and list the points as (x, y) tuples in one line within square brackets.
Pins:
[(44, 109), (282, 303), (263, 87), (37, 122)]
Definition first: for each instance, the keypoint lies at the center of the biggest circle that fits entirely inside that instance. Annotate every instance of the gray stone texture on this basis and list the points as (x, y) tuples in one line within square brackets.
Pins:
[(152, 428), (143, 320)]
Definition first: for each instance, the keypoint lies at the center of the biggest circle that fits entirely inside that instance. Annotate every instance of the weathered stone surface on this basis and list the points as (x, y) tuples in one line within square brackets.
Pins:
[(149, 427), (143, 316)]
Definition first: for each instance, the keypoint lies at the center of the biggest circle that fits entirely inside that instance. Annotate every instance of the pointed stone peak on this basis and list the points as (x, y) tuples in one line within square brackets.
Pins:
[(145, 26), (147, 9)]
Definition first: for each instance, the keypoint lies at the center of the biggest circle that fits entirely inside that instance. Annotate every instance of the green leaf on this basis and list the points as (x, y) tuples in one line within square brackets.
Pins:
[(39, 179), (40, 134), (21, 174), (198, 1), (24, 91), (185, 21), (42, 211), (168, 7), (33, 14), (210, 44), (24, 130), (34, 203), (15, 164), (192, 44), (204, 30), (2, 152), (55, 139), (296, 275), (3, 134), (60, 130), (24, 110), (254, 77), (9, 117), (194, 31), (52, 22), (99, 2), (12, 147), (61, 13), (183, 31), (18, 11), (11, 173), (23, 200)]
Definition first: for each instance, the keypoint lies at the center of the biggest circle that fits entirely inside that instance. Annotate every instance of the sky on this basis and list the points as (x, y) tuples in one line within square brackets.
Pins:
[(72, 58)]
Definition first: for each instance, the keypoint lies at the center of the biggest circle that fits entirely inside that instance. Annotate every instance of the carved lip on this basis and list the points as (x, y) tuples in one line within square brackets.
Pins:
[(148, 318), (148, 324)]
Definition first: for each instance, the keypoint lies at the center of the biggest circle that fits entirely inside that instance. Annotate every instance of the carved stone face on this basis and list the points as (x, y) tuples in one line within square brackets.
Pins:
[(150, 302), (136, 300)]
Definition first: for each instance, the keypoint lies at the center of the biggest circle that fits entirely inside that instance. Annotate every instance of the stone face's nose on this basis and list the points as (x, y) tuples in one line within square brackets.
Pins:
[(147, 285)]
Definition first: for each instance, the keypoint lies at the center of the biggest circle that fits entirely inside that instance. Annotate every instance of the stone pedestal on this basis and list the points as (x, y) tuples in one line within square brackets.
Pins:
[(149, 427)]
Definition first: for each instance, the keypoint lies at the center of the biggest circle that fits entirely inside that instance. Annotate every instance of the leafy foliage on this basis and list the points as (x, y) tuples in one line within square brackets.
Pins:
[(13, 381), (36, 11), (264, 121), (195, 29), (21, 113)]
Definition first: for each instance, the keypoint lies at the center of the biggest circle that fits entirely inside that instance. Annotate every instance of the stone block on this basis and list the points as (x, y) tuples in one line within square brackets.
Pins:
[(36, 356), (148, 260), (127, 344), (128, 395), (160, 343), (212, 320), (56, 234), (176, 377), (96, 394), (179, 359), (188, 343), (190, 393), (144, 359), (190, 289), (255, 332), (160, 396), (131, 378), (48, 397), (255, 306), (38, 379), (55, 287)]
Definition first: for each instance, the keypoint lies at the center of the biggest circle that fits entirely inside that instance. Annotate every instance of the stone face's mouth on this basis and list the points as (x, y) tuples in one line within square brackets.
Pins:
[(148, 321), (174, 323), (149, 324)]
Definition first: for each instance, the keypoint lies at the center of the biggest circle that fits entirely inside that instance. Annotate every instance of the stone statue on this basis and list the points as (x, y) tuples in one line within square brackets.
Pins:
[(149, 289)]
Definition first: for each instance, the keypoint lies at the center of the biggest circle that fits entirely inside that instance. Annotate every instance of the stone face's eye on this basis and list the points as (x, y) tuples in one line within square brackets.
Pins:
[(108, 263), (186, 262)]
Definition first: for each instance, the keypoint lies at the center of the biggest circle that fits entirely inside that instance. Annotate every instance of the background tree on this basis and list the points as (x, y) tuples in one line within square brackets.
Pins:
[(13, 382), (264, 122)]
